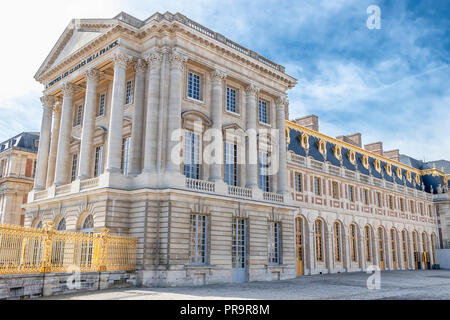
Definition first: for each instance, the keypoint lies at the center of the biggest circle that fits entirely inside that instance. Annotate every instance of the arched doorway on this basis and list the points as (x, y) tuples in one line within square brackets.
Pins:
[(381, 248), (394, 248), (338, 255), (426, 253), (368, 242), (353, 244), (299, 235), (405, 249)]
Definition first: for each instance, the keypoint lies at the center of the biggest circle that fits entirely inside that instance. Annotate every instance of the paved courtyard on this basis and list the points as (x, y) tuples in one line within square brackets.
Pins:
[(433, 284)]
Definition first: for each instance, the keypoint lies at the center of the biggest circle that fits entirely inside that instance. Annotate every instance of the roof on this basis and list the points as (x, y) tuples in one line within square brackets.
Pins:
[(25, 141)]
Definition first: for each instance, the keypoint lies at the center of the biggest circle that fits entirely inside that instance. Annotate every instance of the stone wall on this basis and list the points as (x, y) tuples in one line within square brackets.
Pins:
[(30, 286), (443, 258)]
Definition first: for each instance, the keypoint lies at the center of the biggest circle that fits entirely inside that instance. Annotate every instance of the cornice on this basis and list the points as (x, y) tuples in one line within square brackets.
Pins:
[(351, 147)]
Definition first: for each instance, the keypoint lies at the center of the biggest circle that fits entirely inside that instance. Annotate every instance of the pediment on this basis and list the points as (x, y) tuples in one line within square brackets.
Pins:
[(76, 36)]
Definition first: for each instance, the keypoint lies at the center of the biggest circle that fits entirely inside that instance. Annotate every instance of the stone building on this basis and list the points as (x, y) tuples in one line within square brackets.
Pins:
[(17, 166), (132, 110)]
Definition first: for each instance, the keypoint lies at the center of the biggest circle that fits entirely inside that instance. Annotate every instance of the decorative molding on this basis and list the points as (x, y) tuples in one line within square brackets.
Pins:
[(282, 102), (252, 90), (121, 60), (178, 59), (93, 74), (48, 102), (140, 66), (69, 89), (217, 75), (154, 58)]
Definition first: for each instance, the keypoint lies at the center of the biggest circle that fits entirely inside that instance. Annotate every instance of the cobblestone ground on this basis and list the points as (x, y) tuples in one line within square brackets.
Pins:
[(403, 285)]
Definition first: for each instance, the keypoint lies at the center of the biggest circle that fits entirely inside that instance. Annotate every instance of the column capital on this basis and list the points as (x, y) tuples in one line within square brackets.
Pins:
[(282, 102), (252, 90), (48, 102), (218, 75), (93, 74), (140, 66), (121, 60), (154, 58), (57, 107), (178, 59), (69, 89)]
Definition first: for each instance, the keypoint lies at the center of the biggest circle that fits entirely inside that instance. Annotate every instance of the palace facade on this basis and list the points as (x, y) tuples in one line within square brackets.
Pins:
[(17, 167), (131, 108)]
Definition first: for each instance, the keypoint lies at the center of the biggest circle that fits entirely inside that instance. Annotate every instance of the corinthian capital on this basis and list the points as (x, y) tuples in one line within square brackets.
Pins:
[(140, 66), (252, 90), (69, 89), (154, 58), (282, 102), (218, 75), (178, 59), (93, 75), (48, 102), (121, 60)]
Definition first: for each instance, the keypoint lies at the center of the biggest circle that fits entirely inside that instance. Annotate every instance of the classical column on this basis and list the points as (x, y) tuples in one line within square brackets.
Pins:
[(87, 134), (177, 63), (217, 77), (140, 67), (114, 158), (252, 145), (44, 143), (54, 144), (282, 103), (63, 153), (151, 121)]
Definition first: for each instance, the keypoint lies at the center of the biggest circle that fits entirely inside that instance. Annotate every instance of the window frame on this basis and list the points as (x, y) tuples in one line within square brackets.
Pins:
[(129, 94), (231, 170), (98, 161), (261, 119), (274, 243), (236, 100), (198, 240), (74, 167), (335, 190), (192, 170), (317, 184), (99, 107), (351, 193), (125, 157), (200, 86), (298, 182)]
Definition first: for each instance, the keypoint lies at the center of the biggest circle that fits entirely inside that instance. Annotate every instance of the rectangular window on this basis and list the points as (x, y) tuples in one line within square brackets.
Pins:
[(413, 207), (379, 204), (335, 190), (391, 202), (192, 155), (317, 187), (351, 193), (263, 112), (34, 168), (274, 242), (264, 177), (101, 105), (98, 161), (129, 92), (197, 251), (402, 204), (2, 168), (421, 208), (194, 86), (231, 100), (231, 174), (125, 155), (74, 171), (365, 195), (298, 182), (78, 116), (29, 168)]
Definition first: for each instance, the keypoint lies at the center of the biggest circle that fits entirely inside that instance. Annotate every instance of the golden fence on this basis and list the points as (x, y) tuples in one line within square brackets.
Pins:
[(27, 250)]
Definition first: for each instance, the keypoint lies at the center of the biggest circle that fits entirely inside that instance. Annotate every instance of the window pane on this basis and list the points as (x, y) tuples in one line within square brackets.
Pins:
[(192, 155), (129, 92), (197, 252), (125, 155), (231, 167), (264, 177), (263, 112), (231, 100), (194, 86)]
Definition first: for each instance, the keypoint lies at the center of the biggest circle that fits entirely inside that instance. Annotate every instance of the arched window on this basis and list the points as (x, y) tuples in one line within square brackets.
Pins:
[(433, 247), (337, 242), (381, 246), (319, 240), (415, 242), (88, 225), (353, 243), (394, 247), (405, 248), (424, 242), (61, 225), (368, 243)]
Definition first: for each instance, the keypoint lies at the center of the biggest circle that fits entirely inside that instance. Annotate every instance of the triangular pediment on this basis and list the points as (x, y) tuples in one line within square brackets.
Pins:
[(76, 36)]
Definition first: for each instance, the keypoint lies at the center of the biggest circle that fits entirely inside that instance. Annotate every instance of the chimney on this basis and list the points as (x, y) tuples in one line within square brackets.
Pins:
[(393, 155), (376, 147), (353, 139), (310, 122)]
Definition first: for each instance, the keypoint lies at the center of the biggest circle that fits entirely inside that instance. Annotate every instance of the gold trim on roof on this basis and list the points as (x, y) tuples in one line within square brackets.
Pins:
[(349, 146)]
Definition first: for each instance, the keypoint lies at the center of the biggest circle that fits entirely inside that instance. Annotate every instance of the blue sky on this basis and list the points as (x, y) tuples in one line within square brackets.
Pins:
[(392, 85)]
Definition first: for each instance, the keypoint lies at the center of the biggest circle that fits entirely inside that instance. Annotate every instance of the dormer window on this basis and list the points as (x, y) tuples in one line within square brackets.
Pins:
[(398, 171), (304, 140), (377, 165), (321, 145), (408, 176), (352, 157), (365, 161), (388, 169), (337, 150), (417, 178)]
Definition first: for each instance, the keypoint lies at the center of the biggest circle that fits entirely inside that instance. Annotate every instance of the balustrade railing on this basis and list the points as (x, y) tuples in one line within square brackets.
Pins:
[(240, 192), (200, 185)]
